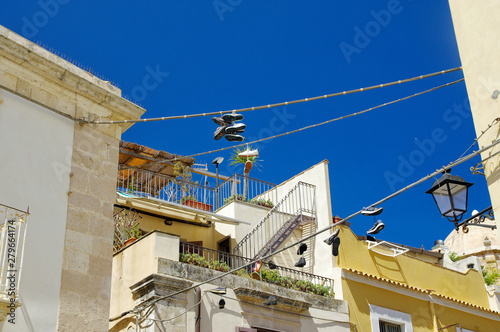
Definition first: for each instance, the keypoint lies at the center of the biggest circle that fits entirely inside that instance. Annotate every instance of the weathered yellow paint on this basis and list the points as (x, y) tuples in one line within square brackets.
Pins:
[(468, 287)]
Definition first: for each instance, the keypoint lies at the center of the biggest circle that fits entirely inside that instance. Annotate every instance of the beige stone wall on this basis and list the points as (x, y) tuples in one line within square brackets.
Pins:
[(86, 274), (478, 38)]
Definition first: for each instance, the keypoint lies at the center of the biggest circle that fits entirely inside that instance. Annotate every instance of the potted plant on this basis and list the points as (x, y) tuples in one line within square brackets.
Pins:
[(247, 156), (126, 228)]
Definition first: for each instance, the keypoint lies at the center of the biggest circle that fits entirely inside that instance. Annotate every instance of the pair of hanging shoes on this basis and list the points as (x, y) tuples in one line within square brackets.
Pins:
[(334, 241)]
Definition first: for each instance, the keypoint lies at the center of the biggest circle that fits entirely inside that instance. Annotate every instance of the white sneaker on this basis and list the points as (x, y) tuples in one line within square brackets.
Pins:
[(249, 153)]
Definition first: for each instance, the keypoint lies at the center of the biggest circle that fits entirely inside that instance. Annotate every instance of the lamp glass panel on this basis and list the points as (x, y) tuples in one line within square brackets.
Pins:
[(443, 202), (460, 200)]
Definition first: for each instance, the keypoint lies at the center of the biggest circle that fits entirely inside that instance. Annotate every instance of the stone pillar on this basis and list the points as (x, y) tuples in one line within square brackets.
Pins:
[(476, 29), (86, 273)]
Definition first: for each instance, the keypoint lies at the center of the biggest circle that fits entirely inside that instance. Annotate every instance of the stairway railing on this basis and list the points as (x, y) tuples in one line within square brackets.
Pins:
[(297, 206)]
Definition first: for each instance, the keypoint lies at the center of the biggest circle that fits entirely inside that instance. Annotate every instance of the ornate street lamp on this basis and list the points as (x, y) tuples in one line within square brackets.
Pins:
[(450, 195)]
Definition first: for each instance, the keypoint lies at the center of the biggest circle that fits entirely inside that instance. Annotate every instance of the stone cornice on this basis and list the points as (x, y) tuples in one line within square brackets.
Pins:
[(35, 73)]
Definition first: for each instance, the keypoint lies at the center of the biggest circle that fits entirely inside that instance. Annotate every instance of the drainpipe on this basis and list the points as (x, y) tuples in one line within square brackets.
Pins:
[(433, 313), (198, 310)]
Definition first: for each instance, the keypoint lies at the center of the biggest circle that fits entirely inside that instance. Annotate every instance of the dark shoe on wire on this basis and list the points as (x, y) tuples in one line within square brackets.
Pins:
[(219, 132), (379, 225), (234, 137), (301, 262), (332, 237), (230, 117), (372, 211), (335, 247)]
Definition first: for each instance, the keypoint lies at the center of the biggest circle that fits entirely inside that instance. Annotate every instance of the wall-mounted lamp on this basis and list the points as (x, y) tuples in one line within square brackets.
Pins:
[(271, 301), (450, 194)]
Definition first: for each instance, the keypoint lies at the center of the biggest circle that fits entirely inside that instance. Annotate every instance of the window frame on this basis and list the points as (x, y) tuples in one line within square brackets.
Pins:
[(378, 314)]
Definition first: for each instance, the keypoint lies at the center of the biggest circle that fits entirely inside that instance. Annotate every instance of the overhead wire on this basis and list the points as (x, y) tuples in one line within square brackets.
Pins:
[(307, 127), (255, 108), (148, 303), (481, 135)]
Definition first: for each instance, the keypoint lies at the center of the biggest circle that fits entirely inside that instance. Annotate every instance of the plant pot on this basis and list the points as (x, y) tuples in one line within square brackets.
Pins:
[(197, 205), (129, 241)]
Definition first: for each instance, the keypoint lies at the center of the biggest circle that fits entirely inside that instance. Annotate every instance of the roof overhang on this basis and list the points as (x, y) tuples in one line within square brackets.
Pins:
[(174, 210)]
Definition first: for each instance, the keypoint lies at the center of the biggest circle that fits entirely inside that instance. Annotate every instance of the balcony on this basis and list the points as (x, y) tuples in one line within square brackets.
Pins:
[(144, 183), (278, 275)]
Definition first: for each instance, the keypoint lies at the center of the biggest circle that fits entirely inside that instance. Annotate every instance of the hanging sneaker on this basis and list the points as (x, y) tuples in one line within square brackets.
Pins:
[(372, 211), (234, 137), (219, 132), (220, 122), (271, 265), (238, 128), (335, 247), (248, 167), (302, 248), (379, 225), (249, 153), (230, 117), (301, 262), (332, 237)]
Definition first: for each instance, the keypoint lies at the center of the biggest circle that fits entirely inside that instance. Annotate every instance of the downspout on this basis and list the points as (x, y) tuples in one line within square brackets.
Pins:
[(197, 318), (433, 314)]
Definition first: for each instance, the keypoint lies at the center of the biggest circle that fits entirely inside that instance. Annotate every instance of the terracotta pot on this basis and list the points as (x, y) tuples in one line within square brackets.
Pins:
[(198, 205), (129, 241)]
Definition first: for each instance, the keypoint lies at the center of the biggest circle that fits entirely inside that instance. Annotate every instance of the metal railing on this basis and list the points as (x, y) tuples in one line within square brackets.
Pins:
[(237, 188), (151, 184), (300, 201), (13, 223), (210, 258), (246, 189)]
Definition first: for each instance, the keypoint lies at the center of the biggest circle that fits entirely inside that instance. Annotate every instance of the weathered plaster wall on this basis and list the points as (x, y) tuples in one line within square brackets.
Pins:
[(35, 142)]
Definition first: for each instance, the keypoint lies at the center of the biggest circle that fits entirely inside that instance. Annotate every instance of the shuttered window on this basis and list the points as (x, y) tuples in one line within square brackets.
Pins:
[(389, 327)]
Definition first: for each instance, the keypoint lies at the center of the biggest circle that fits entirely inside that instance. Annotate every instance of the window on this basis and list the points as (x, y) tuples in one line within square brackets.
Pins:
[(387, 320), (389, 327)]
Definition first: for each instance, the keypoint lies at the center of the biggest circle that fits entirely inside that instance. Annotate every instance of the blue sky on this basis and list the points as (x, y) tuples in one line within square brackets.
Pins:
[(179, 57)]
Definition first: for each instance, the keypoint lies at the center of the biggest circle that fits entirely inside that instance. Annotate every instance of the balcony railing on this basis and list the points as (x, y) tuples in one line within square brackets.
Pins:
[(282, 276), (237, 188), (13, 223)]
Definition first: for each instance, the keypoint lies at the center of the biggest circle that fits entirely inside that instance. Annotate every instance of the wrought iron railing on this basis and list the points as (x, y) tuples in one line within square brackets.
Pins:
[(13, 223), (213, 258), (146, 183), (299, 202)]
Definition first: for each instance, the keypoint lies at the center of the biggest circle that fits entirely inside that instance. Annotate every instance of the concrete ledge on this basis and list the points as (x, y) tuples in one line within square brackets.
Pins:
[(284, 303), (156, 285), (199, 274)]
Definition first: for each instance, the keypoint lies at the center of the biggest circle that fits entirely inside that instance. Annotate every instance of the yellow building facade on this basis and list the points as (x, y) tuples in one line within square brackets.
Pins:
[(401, 289)]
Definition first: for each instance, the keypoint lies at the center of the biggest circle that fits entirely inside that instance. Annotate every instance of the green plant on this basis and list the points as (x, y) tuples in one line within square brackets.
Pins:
[(126, 227), (233, 198), (454, 256), (262, 202), (186, 183), (131, 186), (188, 198), (195, 259), (490, 275), (235, 159)]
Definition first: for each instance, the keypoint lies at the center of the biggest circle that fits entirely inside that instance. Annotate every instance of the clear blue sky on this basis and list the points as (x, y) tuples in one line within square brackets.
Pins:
[(219, 55)]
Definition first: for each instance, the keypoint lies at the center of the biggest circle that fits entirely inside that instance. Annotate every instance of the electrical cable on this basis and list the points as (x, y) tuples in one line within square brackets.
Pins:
[(171, 318), (439, 171), (163, 118), (482, 133), (291, 313), (307, 127)]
